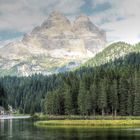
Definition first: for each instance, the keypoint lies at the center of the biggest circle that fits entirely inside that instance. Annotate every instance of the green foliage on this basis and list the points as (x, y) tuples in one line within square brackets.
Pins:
[(110, 89), (3, 97), (112, 52), (102, 97), (90, 123), (137, 95), (82, 99)]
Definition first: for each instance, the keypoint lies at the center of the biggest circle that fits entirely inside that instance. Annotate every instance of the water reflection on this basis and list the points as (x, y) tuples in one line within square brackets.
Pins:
[(10, 127), (2, 126), (25, 130)]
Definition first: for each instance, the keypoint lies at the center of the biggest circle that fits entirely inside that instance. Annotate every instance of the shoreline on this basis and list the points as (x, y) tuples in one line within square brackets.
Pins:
[(89, 123), (14, 117), (42, 117)]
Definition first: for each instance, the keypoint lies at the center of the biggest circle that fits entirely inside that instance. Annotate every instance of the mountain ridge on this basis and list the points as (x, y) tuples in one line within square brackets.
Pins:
[(54, 44), (112, 52)]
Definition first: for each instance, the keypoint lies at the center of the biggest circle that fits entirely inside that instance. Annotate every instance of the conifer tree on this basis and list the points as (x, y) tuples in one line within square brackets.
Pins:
[(81, 99), (137, 95), (102, 100), (115, 98), (93, 91), (123, 96), (68, 103)]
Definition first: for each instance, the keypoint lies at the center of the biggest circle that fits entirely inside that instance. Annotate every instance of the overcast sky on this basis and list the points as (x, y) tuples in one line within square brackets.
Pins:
[(119, 18)]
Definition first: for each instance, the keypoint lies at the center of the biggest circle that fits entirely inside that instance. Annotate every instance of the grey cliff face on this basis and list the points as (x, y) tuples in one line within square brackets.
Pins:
[(54, 44), (56, 20)]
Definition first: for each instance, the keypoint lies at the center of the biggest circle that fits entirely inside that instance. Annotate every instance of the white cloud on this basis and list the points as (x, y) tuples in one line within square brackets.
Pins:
[(23, 15), (126, 29)]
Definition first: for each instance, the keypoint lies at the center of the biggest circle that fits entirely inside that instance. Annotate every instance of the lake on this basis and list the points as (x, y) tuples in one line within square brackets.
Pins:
[(24, 129)]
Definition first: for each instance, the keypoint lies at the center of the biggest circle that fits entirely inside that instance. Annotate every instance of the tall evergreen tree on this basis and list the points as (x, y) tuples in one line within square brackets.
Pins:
[(123, 96), (115, 98), (81, 99), (137, 95), (94, 92), (68, 103), (102, 99)]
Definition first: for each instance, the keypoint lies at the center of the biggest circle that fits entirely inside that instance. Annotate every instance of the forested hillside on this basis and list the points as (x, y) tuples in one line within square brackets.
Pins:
[(112, 88), (112, 52)]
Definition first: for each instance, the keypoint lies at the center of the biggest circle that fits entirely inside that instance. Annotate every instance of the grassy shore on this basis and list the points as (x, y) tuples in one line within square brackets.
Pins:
[(79, 117), (18, 115), (86, 121), (90, 123)]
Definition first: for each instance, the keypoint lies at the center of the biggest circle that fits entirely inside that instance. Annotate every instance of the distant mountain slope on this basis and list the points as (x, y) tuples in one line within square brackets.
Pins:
[(113, 51), (52, 46)]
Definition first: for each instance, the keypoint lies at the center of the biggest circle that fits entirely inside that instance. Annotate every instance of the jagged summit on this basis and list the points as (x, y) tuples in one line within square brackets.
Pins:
[(54, 44), (56, 15), (57, 20), (82, 18), (83, 24)]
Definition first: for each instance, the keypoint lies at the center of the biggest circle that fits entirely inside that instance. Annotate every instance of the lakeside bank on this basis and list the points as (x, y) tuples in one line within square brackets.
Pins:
[(40, 116), (6, 117), (89, 123)]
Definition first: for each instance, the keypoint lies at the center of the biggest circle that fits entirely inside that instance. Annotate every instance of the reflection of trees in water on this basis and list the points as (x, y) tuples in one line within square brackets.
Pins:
[(25, 129), (16, 129), (89, 134), (10, 126), (2, 126), (6, 128)]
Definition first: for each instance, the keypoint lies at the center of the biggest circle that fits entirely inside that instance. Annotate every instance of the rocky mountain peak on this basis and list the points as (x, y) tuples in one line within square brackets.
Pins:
[(56, 14), (83, 24), (56, 19), (82, 18), (53, 45)]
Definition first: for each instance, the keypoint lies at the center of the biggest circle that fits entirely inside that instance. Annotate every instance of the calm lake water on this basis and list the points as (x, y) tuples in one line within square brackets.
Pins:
[(23, 129)]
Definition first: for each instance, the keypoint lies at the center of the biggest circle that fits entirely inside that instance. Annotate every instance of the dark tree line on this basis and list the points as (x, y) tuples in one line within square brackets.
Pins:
[(27, 93), (3, 97), (113, 88)]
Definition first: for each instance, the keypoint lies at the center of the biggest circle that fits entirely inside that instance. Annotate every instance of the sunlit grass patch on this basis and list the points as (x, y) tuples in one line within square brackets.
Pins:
[(90, 123)]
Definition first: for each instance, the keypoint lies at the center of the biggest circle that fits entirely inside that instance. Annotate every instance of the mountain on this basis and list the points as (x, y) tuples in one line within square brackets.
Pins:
[(55, 44), (112, 52)]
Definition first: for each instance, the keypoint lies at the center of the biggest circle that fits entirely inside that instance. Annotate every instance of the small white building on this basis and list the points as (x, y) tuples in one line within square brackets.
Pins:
[(2, 110)]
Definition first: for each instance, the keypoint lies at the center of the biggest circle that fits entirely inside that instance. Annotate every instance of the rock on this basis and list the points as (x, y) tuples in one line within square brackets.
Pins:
[(53, 45)]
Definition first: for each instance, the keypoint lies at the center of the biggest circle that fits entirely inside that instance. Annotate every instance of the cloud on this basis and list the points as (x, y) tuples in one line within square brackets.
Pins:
[(118, 9), (18, 17), (120, 18), (23, 15), (127, 30)]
